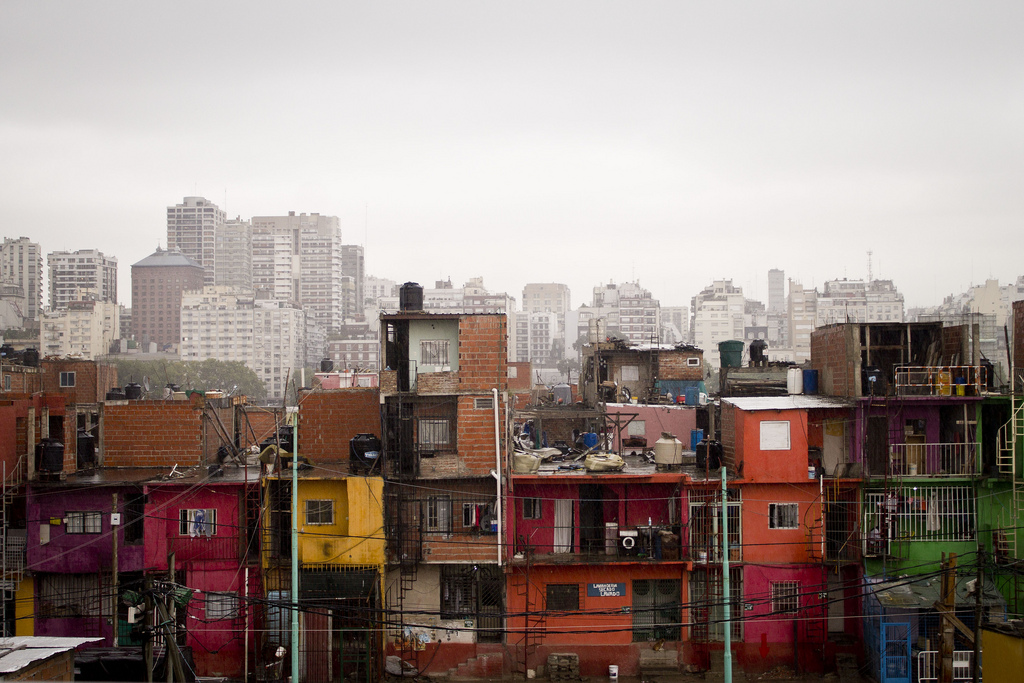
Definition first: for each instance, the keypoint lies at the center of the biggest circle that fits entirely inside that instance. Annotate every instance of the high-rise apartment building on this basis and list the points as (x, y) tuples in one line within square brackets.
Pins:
[(298, 258), (776, 291), (86, 274), (718, 315), (232, 325), (803, 310), (192, 230), (84, 329), (352, 265), (21, 264), (158, 282), (233, 254), (675, 324), (627, 310)]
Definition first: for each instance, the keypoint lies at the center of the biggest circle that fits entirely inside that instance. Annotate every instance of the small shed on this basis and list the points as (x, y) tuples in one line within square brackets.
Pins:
[(40, 658)]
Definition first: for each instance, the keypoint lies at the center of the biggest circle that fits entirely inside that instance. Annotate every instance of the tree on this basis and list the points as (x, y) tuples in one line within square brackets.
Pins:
[(207, 375)]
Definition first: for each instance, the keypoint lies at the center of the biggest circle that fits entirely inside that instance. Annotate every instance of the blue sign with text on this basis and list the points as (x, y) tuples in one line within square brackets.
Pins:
[(606, 590)]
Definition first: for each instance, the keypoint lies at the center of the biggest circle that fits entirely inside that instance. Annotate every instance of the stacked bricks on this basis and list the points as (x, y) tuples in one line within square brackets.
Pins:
[(437, 383), (328, 420), (563, 666), (483, 353), (673, 365), (476, 437), (152, 434), (261, 422)]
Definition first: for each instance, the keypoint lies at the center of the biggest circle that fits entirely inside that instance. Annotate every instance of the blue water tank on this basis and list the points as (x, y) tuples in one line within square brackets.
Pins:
[(590, 439), (696, 436), (810, 381)]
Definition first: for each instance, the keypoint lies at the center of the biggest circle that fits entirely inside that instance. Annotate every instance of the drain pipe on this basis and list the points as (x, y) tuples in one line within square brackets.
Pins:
[(497, 471)]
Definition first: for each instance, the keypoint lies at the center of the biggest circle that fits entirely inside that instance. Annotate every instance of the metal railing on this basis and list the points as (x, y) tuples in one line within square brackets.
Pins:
[(187, 548), (932, 459), (928, 666), (941, 380)]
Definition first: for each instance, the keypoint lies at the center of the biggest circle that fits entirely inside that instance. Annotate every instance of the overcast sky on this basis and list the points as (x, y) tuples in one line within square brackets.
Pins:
[(578, 142)]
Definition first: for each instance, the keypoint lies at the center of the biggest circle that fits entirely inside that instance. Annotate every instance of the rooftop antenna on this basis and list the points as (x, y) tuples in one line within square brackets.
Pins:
[(869, 266)]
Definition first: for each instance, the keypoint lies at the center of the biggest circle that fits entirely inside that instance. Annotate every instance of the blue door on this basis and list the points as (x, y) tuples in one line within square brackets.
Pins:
[(896, 653)]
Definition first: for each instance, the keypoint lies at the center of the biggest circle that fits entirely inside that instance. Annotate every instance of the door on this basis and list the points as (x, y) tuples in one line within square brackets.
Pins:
[(878, 446), (591, 518), (564, 526), (896, 652)]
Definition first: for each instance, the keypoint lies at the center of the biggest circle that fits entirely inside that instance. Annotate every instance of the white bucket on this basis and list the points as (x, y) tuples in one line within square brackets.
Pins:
[(613, 672), (912, 469)]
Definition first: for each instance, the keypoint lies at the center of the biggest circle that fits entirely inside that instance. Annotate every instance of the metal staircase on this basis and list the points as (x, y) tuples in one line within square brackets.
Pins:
[(1008, 456), (12, 544)]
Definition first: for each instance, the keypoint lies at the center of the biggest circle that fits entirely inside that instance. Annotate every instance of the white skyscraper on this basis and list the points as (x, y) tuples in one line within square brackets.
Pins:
[(21, 264), (81, 275), (192, 230)]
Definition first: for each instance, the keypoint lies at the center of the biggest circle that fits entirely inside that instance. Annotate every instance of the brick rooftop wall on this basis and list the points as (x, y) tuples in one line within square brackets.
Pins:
[(672, 366), (329, 419), (152, 434), (483, 353), (833, 360)]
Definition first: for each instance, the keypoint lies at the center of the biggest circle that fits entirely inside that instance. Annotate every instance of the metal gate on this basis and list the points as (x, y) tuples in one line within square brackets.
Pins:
[(896, 653)]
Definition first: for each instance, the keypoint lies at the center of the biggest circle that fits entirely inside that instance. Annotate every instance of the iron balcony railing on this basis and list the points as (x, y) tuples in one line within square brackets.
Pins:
[(932, 459), (941, 380)]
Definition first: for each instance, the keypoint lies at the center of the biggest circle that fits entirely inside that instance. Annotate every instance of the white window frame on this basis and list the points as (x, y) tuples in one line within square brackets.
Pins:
[(315, 509), (775, 435), (693, 362), (783, 515), (187, 520), (438, 514), (83, 522), (67, 379), (785, 597)]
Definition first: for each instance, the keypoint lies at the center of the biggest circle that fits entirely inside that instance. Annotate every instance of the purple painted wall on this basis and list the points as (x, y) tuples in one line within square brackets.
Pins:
[(77, 553)]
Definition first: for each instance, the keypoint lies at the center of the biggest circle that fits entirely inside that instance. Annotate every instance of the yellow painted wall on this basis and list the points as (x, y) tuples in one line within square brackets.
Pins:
[(24, 610), (357, 534), (1002, 658)]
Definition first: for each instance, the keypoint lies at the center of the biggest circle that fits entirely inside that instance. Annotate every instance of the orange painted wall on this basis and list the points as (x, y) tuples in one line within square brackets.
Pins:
[(756, 465), (779, 546)]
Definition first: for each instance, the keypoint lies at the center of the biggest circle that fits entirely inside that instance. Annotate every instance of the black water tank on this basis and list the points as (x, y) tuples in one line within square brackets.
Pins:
[(757, 351), (6, 351), (133, 391), (363, 452), (115, 394), (31, 358), (410, 297), (327, 365), (286, 435), (86, 449), (50, 455)]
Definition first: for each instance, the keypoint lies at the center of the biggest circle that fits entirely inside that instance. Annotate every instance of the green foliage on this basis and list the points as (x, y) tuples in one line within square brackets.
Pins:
[(207, 375)]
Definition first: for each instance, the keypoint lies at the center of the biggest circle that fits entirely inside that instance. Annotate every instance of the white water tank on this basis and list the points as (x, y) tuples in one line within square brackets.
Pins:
[(668, 450), (795, 381)]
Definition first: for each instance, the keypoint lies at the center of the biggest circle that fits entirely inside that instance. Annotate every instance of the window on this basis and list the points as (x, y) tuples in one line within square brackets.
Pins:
[(320, 511), (434, 352), (783, 515), (693, 362), (657, 609), (71, 595), (434, 434), (706, 521), (474, 592), (775, 435), (707, 615), (84, 522), (67, 379), (531, 508), (630, 373), (563, 597), (513, 372), (439, 514), (637, 428), (279, 619), (785, 596), (221, 605), (197, 522)]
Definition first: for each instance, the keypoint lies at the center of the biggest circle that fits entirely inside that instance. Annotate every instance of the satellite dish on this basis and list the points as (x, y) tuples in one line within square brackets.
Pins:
[(145, 383)]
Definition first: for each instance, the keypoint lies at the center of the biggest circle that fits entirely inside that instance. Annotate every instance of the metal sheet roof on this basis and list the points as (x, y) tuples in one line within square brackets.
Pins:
[(26, 650), (792, 402)]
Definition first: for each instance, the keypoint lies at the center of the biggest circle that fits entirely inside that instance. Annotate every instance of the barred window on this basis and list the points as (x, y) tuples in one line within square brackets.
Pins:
[(785, 596), (84, 522), (920, 513), (706, 522), (320, 511), (783, 515), (221, 605), (434, 352), (434, 433), (563, 597)]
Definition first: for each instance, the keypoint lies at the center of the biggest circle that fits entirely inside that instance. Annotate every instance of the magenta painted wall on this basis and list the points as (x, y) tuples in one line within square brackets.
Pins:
[(162, 519), (678, 420)]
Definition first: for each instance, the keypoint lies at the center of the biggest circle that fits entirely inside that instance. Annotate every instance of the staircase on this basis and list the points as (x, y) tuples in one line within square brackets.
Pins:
[(1008, 453), (489, 665)]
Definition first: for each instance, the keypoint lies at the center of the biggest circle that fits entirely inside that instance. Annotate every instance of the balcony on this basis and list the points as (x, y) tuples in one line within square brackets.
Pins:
[(932, 459), (941, 380), (561, 545), (187, 548)]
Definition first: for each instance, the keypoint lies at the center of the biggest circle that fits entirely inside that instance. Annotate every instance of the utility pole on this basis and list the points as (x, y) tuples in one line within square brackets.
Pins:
[(295, 551), (726, 605), (949, 603), (978, 589), (150, 621), (171, 622), (113, 597)]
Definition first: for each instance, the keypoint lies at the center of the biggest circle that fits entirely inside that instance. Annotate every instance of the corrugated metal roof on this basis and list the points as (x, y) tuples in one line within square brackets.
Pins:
[(26, 650), (19, 659), (46, 641), (792, 402)]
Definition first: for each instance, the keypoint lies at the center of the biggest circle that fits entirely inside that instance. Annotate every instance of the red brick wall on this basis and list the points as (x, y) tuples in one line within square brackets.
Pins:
[(437, 383), (833, 359), (672, 365), (23, 380), (92, 379), (522, 381), (261, 421), (329, 419), (483, 353), (460, 545), (152, 434), (955, 347)]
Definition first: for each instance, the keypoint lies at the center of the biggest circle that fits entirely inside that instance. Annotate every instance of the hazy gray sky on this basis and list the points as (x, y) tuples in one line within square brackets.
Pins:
[(576, 142)]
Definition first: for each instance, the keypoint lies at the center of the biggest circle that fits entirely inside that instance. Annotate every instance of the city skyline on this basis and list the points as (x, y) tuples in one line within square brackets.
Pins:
[(670, 144)]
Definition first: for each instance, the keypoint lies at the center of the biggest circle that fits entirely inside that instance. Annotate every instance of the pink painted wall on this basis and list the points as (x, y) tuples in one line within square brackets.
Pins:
[(678, 420)]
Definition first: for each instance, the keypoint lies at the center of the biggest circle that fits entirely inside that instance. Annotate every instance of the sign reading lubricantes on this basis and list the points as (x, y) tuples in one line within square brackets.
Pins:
[(606, 590)]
